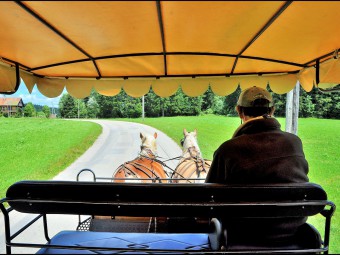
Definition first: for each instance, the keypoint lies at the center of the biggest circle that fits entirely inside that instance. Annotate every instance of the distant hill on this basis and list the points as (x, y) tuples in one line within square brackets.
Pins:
[(38, 108)]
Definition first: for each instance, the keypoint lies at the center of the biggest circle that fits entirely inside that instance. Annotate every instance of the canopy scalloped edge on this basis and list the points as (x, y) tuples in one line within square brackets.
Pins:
[(193, 87), (164, 87)]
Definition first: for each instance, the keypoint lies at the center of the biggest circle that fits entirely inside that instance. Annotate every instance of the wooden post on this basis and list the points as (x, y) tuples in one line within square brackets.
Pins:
[(292, 109)]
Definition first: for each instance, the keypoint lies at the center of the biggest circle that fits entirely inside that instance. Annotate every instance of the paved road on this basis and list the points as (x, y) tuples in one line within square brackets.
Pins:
[(118, 143)]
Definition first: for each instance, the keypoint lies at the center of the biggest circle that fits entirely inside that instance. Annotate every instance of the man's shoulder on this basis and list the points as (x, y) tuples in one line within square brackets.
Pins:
[(228, 145)]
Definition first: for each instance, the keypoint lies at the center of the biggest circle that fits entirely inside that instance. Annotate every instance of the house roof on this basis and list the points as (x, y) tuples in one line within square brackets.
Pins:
[(136, 45), (10, 101)]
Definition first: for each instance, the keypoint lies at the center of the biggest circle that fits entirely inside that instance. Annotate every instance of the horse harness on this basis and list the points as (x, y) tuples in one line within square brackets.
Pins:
[(148, 168), (199, 163)]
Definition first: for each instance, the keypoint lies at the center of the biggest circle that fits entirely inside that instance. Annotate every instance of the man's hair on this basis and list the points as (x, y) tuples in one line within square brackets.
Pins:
[(260, 107)]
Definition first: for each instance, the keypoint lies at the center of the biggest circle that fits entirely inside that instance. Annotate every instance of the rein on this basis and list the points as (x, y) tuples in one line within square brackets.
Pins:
[(148, 170)]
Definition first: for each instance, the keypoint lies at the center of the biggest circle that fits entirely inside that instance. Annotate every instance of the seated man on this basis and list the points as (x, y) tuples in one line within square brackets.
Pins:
[(259, 153)]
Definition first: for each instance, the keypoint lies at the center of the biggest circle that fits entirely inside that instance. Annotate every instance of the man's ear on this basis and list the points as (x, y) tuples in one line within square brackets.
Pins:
[(271, 113), (239, 112)]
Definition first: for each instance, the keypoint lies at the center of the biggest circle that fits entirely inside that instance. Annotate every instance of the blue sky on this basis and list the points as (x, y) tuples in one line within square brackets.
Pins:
[(35, 98)]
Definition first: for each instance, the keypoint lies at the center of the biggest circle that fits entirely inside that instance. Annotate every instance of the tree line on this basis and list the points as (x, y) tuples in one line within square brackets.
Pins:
[(312, 104)]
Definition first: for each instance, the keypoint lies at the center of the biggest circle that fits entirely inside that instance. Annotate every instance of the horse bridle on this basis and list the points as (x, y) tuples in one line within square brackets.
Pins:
[(198, 171), (148, 150), (182, 141)]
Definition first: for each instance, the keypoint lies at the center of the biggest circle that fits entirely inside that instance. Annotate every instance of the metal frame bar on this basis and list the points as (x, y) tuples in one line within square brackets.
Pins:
[(5, 213), (161, 27), (168, 53), (178, 251), (177, 53), (265, 27), (202, 204)]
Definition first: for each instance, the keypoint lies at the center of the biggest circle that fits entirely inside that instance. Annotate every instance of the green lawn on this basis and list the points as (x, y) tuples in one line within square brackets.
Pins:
[(40, 148), (320, 138)]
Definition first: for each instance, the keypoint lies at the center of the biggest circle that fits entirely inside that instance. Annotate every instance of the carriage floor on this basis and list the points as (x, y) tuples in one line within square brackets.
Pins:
[(147, 225)]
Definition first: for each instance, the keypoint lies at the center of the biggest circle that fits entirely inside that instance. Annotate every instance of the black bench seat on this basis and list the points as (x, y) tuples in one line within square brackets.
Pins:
[(128, 242), (209, 201)]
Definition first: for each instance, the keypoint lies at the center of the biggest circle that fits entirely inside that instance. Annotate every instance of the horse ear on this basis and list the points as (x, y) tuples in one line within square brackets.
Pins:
[(141, 135), (155, 135), (195, 131), (185, 132)]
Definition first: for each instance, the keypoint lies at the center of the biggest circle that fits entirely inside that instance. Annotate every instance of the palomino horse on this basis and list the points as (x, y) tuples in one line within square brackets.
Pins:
[(192, 167), (144, 168)]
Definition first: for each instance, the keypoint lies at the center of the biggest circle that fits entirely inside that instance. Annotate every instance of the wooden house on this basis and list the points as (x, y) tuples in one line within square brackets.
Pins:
[(11, 105)]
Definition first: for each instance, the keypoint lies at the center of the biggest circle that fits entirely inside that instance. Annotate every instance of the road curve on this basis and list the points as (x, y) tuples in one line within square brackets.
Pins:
[(118, 143)]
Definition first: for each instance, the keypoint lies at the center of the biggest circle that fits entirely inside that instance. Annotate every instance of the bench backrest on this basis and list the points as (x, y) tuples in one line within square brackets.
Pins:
[(155, 199)]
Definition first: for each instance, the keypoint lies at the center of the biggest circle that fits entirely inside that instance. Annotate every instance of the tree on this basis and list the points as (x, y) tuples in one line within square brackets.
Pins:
[(105, 106), (165, 105), (92, 107), (212, 103), (326, 104), (18, 114), (29, 110), (152, 104), (194, 105), (178, 104), (46, 110), (40, 114), (118, 105), (230, 103), (67, 106), (279, 104), (81, 108), (133, 108), (306, 106)]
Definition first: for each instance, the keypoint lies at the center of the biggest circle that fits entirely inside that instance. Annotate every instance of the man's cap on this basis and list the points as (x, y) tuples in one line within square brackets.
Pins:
[(248, 96)]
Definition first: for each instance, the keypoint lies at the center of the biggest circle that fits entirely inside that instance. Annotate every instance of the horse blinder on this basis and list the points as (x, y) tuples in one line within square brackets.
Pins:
[(182, 141)]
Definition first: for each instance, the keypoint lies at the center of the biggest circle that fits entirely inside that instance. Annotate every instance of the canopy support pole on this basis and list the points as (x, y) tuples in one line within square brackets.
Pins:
[(143, 112), (292, 109)]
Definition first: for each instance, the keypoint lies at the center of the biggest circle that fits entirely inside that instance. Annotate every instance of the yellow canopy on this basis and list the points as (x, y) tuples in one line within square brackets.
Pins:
[(138, 45)]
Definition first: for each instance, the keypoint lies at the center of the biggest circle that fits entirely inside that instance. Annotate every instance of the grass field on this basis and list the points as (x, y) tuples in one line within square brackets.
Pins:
[(40, 148)]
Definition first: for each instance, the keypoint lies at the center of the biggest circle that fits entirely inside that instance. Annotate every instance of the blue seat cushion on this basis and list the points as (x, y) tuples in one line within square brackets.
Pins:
[(173, 241)]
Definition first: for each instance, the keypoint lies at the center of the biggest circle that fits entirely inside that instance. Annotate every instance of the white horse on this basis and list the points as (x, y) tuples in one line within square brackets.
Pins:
[(192, 168)]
